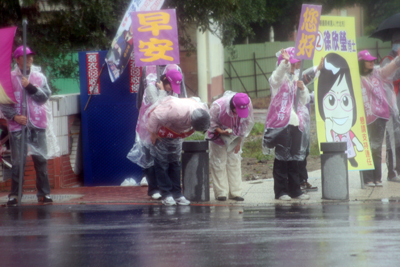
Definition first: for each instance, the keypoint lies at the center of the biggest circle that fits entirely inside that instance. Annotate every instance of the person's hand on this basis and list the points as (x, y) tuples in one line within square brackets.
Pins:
[(160, 85), (154, 137), (20, 119), (285, 55), (300, 85), (224, 132), (24, 81), (237, 147), (321, 64)]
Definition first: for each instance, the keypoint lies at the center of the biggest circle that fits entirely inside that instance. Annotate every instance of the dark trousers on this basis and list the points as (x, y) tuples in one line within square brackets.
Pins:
[(393, 157), (37, 138), (376, 133), (168, 178), (167, 167), (303, 175), (286, 178), (150, 175)]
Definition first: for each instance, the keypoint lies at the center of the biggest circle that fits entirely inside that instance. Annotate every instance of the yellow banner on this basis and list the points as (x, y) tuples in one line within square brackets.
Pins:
[(339, 104)]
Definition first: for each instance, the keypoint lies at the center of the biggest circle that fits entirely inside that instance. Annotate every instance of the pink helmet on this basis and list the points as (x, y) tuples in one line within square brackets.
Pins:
[(20, 51), (290, 51)]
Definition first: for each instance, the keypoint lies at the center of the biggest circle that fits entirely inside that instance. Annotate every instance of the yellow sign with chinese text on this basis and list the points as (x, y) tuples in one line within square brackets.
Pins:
[(339, 103)]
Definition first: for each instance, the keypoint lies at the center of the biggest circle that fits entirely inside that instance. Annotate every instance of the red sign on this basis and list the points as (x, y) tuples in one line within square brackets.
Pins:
[(134, 75), (92, 64)]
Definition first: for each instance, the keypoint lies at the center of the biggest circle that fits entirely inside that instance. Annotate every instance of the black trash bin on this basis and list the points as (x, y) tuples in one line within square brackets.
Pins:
[(195, 171)]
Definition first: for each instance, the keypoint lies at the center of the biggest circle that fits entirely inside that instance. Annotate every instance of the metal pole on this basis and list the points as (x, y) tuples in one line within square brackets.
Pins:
[(23, 113), (296, 102), (255, 72)]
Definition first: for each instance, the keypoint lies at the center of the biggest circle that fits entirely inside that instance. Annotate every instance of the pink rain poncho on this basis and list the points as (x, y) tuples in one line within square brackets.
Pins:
[(281, 112), (142, 152), (171, 119), (223, 117), (38, 110), (393, 126), (379, 97)]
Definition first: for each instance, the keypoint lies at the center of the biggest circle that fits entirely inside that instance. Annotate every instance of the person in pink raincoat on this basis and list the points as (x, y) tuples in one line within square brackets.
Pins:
[(169, 121), (377, 85), (231, 121), (142, 152), (285, 129), (393, 125), (37, 92)]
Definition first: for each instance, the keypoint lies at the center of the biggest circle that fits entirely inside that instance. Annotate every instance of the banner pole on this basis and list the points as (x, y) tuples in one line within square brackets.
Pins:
[(296, 102), (23, 127)]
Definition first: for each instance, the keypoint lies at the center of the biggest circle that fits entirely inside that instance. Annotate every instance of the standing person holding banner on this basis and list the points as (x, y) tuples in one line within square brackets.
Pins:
[(285, 129), (393, 125), (377, 89), (36, 122)]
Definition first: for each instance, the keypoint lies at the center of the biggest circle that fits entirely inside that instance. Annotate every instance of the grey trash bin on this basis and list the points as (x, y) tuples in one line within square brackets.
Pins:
[(335, 182), (195, 171)]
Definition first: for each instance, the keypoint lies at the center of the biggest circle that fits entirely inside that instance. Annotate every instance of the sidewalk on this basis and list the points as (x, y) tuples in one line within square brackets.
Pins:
[(255, 193)]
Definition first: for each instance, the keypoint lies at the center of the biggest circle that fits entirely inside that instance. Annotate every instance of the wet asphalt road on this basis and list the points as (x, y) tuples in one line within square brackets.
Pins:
[(131, 235)]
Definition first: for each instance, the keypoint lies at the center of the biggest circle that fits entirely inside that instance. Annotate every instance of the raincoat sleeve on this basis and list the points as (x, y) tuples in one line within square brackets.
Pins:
[(39, 94), (309, 75), (8, 111), (278, 77), (247, 123), (153, 121), (153, 94), (304, 96), (388, 72), (214, 115)]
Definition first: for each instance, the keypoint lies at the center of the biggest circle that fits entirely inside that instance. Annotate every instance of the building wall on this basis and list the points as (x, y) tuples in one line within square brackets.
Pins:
[(352, 11)]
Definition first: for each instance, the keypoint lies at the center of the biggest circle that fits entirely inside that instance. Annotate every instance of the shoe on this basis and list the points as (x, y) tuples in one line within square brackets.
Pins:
[(221, 198), (394, 179), (370, 184), (238, 198), (45, 199), (156, 196), (378, 184), (285, 197), (12, 201), (168, 201), (307, 186), (303, 197), (144, 182), (182, 201)]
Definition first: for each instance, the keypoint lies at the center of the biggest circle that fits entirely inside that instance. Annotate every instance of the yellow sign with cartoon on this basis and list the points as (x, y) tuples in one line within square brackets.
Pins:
[(339, 103)]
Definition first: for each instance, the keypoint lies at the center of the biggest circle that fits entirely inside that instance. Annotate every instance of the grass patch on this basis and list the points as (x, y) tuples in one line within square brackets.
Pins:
[(195, 137), (258, 129), (314, 148), (252, 149)]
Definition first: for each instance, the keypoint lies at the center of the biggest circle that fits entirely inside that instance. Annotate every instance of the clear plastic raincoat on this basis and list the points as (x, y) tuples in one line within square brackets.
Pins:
[(281, 113), (40, 135), (171, 118), (142, 152), (225, 168), (393, 126)]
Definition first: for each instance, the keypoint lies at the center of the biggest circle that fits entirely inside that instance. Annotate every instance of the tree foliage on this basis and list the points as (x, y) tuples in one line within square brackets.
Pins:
[(57, 27)]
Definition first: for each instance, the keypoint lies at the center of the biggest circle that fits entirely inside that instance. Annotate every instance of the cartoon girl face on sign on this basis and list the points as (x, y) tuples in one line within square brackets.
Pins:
[(336, 104)]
